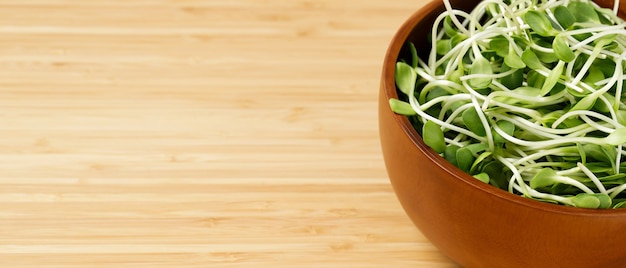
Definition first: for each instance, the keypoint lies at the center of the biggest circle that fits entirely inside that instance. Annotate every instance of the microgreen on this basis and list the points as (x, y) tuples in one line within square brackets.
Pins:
[(564, 17), (465, 159), (433, 136), (539, 23), (473, 122), (480, 66), (405, 77), (531, 60), (526, 96), (562, 49), (401, 107), (484, 177), (583, 11)]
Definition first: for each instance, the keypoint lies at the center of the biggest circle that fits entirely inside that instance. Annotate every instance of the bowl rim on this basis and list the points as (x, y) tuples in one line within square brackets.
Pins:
[(389, 89)]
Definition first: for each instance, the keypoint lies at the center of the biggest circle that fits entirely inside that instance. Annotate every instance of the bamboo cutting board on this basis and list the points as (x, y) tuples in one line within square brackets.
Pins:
[(190, 133)]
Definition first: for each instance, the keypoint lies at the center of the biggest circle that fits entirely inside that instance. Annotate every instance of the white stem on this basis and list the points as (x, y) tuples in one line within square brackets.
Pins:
[(593, 177)]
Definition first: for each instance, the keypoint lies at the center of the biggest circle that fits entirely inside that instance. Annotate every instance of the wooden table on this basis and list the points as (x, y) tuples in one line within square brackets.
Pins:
[(191, 133)]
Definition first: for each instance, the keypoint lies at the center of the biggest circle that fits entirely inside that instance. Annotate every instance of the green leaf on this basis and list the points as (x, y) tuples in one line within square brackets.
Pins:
[(580, 61), (531, 60), (605, 40), (457, 104), (602, 107), (562, 49), (507, 127), (521, 41), (535, 80), (476, 148), (401, 107), (498, 177), (621, 117), (599, 167), (585, 103), (464, 159), (539, 23), (480, 66), (585, 200), (448, 27), (414, 58), (484, 177), (513, 60), (455, 76), (595, 200), (500, 45), (549, 118), (617, 137), (583, 11), (450, 154), (552, 78), (405, 77), (478, 161), (577, 94), (563, 189), (543, 178), (433, 136), (606, 66), (572, 122), (443, 46), (436, 92), (581, 151), (604, 19), (593, 76), (545, 57), (605, 200), (547, 178), (616, 179), (513, 80), (565, 18), (472, 122), (455, 40), (597, 153), (531, 91)]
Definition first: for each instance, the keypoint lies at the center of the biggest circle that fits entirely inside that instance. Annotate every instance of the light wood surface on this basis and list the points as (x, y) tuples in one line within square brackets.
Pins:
[(190, 133)]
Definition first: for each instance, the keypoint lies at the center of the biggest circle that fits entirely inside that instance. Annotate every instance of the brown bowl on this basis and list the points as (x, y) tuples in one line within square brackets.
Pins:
[(476, 224)]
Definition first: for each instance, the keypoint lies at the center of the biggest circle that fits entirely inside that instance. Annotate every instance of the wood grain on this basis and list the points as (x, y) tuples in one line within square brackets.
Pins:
[(190, 133)]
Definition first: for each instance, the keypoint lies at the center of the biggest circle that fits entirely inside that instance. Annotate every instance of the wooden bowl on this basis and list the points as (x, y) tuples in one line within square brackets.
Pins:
[(476, 224)]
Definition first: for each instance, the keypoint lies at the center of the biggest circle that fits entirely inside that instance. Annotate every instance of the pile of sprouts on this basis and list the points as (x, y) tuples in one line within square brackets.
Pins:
[(525, 96)]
